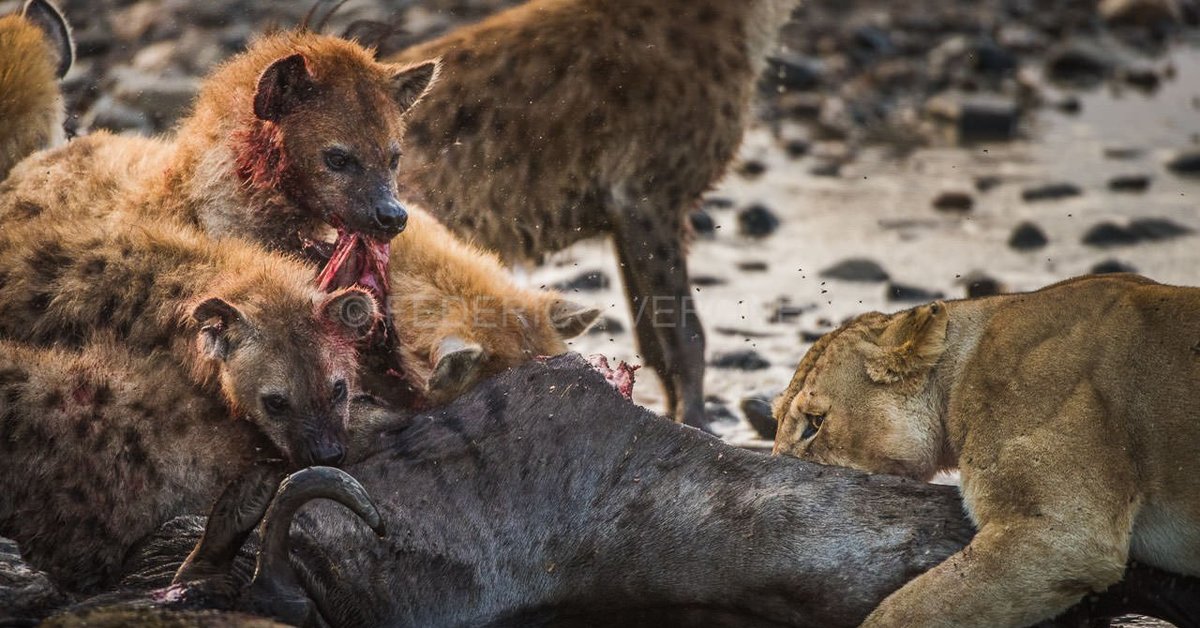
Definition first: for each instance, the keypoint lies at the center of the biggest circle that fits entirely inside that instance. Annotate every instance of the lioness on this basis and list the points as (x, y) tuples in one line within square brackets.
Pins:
[(1070, 411)]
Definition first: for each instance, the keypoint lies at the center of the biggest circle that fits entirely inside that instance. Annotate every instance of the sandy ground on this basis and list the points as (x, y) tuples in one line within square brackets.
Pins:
[(881, 208)]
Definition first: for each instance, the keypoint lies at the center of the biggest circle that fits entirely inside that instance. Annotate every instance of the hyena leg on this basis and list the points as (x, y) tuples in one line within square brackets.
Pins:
[(650, 250)]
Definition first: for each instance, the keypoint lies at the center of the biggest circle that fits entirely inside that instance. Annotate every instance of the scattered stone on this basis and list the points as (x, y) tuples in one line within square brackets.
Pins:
[(1141, 77), (1069, 104), (757, 221), (1079, 64), (707, 281), (790, 71), (1112, 266), (1050, 191), (606, 326), (703, 223), (1129, 183), (905, 292), (989, 57), (810, 336), (981, 285), (826, 168), (797, 148), (753, 266), (1186, 162), (744, 360), (587, 281), (1140, 12), (987, 182), (953, 202), (757, 409), (718, 412), (25, 592), (1157, 229), (751, 169), (718, 202), (786, 312), (743, 333), (1109, 234), (982, 119), (856, 269), (1122, 152), (1027, 237)]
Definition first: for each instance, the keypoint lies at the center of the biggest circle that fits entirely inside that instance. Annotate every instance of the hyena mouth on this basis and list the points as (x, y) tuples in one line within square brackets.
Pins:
[(357, 260)]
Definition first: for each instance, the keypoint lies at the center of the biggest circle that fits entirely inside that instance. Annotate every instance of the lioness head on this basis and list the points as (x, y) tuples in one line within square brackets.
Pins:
[(860, 398), (289, 368)]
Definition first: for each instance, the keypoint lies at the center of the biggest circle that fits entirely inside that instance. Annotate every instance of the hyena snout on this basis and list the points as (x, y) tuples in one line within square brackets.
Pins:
[(390, 216), (324, 447)]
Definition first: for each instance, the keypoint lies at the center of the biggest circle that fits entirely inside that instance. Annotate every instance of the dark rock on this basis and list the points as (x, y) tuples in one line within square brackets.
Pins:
[(1187, 162), (856, 269), (904, 292), (1069, 104), (1027, 237), (25, 592), (587, 281), (1122, 152), (757, 221), (751, 168), (718, 202), (606, 326), (786, 312), (991, 58), (1112, 266), (953, 202), (983, 119), (810, 336), (826, 168), (1129, 183), (987, 182), (1079, 64), (744, 360), (707, 281), (1050, 191), (757, 409), (1109, 234), (703, 223), (753, 266), (980, 285), (797, 148), (870, 42), (743, 333), (1157, 229), (1144, 78), (790, 71), (718, 412)]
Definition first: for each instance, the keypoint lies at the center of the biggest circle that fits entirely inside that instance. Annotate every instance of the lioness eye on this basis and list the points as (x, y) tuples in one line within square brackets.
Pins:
[(339, 391), (336, 160), (275, 403), (812, 423)]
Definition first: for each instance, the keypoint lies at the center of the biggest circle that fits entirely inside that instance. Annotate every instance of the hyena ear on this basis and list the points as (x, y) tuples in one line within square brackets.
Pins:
[(570, 319), (411, 83), (909, 344), (215, 316), (353, 309), (283, 86), (58, 32), (455, 364)]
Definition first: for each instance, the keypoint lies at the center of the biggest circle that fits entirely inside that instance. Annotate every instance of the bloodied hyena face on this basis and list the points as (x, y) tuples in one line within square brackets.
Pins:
[(334, 121), (290, 373)]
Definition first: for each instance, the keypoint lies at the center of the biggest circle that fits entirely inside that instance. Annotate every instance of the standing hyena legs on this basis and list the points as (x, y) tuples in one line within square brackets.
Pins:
[(649, 243)]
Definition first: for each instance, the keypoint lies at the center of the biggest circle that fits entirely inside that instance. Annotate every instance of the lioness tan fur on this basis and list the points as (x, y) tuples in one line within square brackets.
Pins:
[(1071, 413), (35, 51)]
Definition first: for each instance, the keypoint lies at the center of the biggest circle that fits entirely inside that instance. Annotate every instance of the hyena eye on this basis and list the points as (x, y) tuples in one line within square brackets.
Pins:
[(395, 161), (339, 391), (812, 423), (275, 403), (337, 160)]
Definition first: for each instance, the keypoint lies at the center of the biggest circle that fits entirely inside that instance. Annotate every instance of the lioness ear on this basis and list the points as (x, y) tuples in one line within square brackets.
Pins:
[(570, 319), (411, 83), (353, 309), (282, 87), (54, 26), (215, 316), (455, 364), (909, 344)]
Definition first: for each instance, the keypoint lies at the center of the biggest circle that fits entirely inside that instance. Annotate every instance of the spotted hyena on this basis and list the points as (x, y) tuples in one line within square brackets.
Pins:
[(35, 51)]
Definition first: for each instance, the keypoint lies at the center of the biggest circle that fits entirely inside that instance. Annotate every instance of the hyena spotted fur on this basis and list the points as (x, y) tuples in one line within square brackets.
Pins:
[(560, 120)]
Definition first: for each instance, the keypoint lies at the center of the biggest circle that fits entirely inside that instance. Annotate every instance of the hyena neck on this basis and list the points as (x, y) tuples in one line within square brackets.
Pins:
[(764, 18), (229, 182)]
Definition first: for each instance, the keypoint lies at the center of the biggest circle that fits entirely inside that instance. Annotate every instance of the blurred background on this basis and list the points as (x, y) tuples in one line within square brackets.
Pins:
[(903, 150)]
